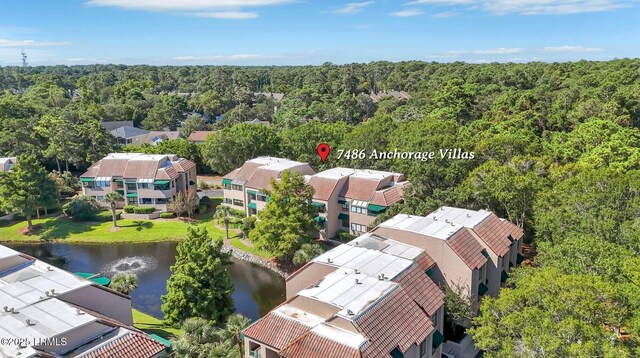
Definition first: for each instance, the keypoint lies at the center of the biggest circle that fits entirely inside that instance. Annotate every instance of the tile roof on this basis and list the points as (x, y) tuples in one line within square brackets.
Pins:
[(261, 178), (257, 173), (138, 165), (422, 289), (128, 132), (128, 345), (359, 188), (394, 321), (495, 234), (465, 245), (386, 197), (199, 136), (275, 330), (324, 187), (313, 345)]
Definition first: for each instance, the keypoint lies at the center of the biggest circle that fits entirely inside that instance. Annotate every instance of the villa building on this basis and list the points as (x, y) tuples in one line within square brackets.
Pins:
[(346, 199), (380, 296), (244, 187), (143, 179), (7, 163), (352, 301), (58, 314), (350, 199)]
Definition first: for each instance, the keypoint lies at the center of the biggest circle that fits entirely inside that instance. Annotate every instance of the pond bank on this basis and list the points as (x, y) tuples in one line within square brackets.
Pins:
[(254, 259)]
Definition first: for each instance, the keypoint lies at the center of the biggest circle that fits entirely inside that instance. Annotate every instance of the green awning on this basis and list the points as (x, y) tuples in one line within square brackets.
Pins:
[(163, 341), (343, 216), (486, 254), (513, 241), (118, 180), (438, 338), (252, 205), (121, 192), (132, 195), (376, 208), (342, 201), (395, 353), (130, 181), (482, 289), (252, 192), (429, 272), (100, 280), (161, 182), (226, 181), (503, 276), (87, 180), (318, 205), (519, 259), (320, 219)]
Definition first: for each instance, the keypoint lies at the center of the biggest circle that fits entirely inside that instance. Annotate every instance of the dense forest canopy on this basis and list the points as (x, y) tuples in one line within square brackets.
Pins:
[(557, 151)]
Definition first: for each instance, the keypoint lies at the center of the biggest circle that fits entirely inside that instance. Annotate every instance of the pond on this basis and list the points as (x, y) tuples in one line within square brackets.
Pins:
[(257, 290)]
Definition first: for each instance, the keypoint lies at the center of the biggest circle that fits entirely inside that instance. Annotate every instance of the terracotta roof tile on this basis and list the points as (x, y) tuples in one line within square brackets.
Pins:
[(111, 167), (199, 136), (385, 197), (494, 232), (313, 345), (425, 261), (232, 175), (421, 289), (395, 321), (323, 187), (359, 188), (466, 246), (275, 330), (129, 345)]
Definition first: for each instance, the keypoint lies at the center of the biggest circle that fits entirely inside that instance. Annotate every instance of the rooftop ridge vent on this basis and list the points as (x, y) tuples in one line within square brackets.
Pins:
[(79, 312), (6, 309), (350, 312), (358, 282), (468, 215), (30, 322), (329, 260)]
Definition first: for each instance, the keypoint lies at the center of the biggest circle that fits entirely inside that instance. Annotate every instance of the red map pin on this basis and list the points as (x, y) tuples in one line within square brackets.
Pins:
[(323, 151)]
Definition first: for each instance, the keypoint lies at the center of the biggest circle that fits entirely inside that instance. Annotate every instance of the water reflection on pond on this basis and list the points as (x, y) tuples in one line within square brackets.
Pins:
[(257, 290)]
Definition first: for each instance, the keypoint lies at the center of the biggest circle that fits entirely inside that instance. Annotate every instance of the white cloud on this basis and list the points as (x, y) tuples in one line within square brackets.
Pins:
[(498, 51), (407, 13), (572, 49), (535, 7), (230, 15), (218, 9), (353, 7), (445, 14), (29, 43)]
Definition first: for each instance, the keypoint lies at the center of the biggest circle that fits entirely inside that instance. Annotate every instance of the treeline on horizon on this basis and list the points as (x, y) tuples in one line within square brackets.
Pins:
[(557, 151)]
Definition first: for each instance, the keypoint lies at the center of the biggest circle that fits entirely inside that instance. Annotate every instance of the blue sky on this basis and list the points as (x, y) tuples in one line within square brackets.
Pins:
[(285, 32)]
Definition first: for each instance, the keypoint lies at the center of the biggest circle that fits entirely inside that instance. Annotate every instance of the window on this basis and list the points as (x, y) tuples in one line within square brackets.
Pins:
[(143, 185), (145, 201), (161, 201), (103, 184), (237, 202), (228, 201), (423, 348), (358, 209), (161, 187), (132, 187), (100, 198), (119, 185), (345, 206), (252, 197), (344, 222), (358, 228), (261, 197), (236, 187), (132, 200), (227, 186)]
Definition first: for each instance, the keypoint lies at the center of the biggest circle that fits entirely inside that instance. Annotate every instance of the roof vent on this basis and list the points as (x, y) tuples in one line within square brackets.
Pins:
[(350, 312), (6, 308), (358, 282), (78, 312), (468, 215), (446, 220), (357, 272), (13, 310), (452, 224), (329, 260), (30, 322), (382, 277), (49, 268), (435, 218)]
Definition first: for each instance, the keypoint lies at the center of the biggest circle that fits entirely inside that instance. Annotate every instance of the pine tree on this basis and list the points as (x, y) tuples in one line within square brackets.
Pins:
[(26, 187), (200, 284)]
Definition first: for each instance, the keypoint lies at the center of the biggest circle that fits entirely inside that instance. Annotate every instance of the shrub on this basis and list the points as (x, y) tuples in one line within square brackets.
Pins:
[(66, 191), (167, 215), (345, 236), (129, 209), (248, 224), (202, 208), (143, 209), (202, 184), (82, 207), (205, 201)]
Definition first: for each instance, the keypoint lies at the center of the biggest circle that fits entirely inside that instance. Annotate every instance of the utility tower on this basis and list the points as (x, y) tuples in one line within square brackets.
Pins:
[(24, 58)]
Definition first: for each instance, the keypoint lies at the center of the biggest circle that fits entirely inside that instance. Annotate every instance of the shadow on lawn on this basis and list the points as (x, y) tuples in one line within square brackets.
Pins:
[(139, 225), (60, 229)]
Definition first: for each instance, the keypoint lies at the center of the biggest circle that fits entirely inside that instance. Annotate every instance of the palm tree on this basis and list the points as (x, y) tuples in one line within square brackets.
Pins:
[(113, 198), (306, 253), (223, 211), (124, 282), (232, 330)]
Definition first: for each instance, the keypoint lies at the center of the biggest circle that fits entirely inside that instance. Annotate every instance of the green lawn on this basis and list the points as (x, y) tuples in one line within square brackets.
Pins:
[(131, 231), (237, 243), (153, 325)]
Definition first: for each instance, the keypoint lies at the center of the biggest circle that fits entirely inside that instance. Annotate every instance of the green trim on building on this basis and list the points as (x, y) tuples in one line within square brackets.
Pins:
[(130, 181), (343, 216), (226, 181), (395, 353), (486, 254), (429, 272), (482, 289), (438, 338), (161, 182), (87, 180), (318, 205), (320, 219), (340, 201), (163, 341), (132, 195), (252, 192), (118, 180), (252, 205), (376, 208), (99, 279)]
